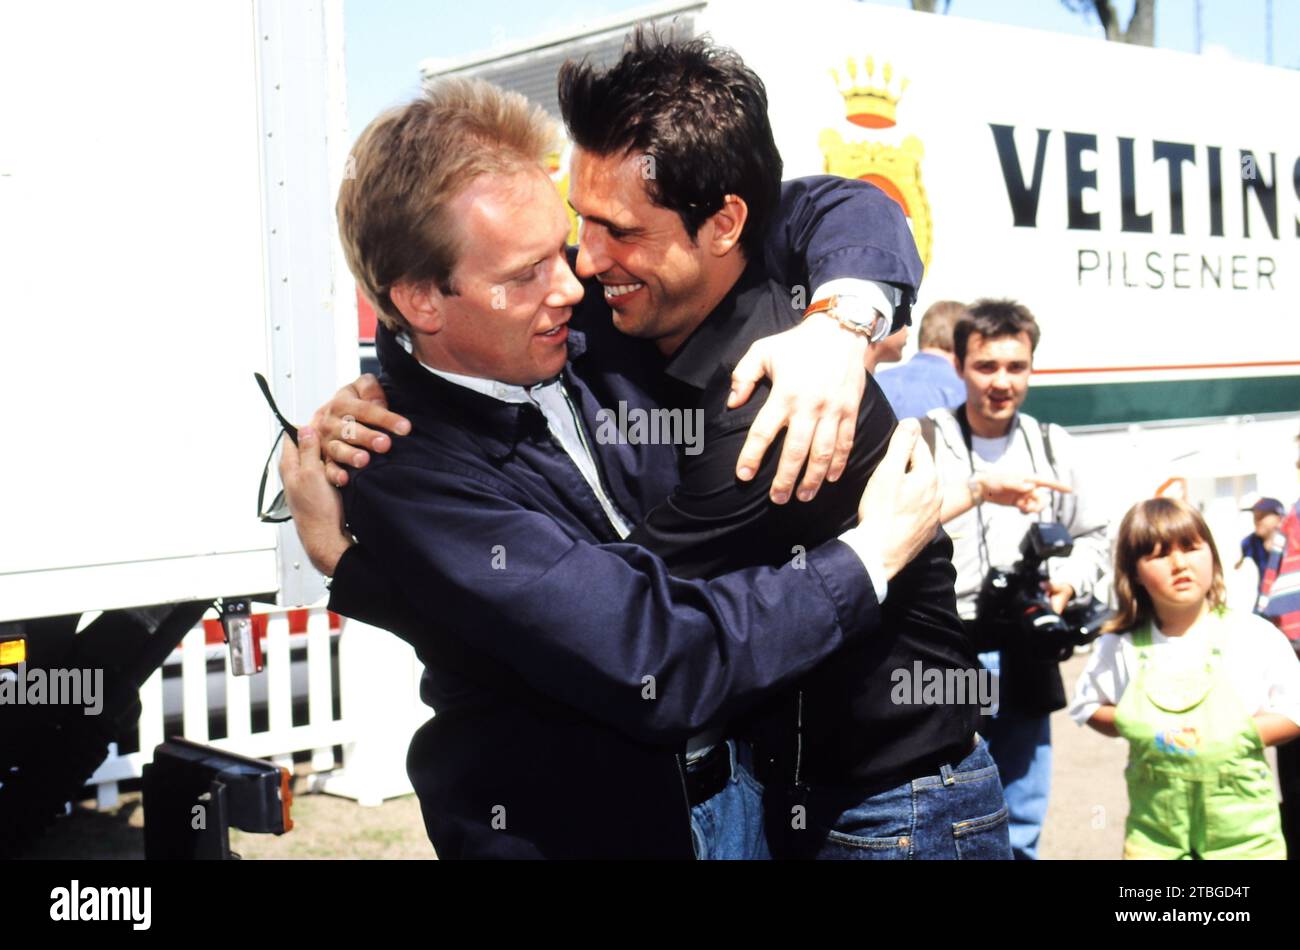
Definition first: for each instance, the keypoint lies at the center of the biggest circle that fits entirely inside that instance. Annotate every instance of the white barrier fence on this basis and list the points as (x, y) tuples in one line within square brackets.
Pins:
[(378, 681)]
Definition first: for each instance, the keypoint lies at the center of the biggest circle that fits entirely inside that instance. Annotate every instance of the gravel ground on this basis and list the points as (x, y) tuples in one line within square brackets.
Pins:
[(324, 827), (1085, 815), (1085, 818)]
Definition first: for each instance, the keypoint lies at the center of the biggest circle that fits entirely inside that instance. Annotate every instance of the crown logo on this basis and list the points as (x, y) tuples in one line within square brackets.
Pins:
[(867, 104)]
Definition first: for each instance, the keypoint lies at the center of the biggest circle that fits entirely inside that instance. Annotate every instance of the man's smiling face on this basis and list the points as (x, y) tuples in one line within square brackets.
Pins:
[(996, 371), (653, 274)]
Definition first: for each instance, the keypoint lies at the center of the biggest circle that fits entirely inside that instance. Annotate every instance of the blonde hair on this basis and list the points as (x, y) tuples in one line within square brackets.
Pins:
[(407, 167), (1157, 524), (937, 324)]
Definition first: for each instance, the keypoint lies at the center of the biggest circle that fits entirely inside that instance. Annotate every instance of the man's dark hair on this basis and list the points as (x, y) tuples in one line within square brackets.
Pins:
[(992, 319), (697, 111)]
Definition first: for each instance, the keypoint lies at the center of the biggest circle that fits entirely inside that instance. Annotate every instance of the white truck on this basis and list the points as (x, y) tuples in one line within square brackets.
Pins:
[(1144, 204), (167, 182)]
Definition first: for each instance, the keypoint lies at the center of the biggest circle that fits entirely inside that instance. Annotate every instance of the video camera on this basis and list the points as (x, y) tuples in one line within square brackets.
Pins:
[(1014, 612)]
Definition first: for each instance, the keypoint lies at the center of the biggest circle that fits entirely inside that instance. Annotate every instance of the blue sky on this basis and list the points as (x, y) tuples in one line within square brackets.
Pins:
[(387, 39)]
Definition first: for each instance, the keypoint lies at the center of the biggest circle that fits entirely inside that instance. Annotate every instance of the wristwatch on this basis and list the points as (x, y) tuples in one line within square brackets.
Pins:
[(976, 489), (853, 313)]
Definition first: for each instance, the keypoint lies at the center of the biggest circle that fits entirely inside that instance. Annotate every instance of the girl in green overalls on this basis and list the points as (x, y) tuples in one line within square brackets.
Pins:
[(1197, 690)]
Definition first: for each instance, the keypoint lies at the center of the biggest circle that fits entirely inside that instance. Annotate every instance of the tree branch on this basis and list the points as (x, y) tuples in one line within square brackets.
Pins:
[(1106, 14), (1142, 28)]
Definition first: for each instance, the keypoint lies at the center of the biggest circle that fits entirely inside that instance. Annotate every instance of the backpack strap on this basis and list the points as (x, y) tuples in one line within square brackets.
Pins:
[(1058, 501), (927, 431), (1046, 430)]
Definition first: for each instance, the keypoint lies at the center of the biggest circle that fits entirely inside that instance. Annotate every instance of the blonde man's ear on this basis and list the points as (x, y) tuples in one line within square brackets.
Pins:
[(420, 303)]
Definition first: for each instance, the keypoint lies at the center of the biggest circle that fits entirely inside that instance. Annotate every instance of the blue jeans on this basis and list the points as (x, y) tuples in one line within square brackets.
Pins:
[(1022, 747), (729, 826), (959, 814)]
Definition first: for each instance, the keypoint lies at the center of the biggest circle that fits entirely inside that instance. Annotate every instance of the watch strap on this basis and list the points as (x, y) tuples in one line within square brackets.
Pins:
[(830, 305)]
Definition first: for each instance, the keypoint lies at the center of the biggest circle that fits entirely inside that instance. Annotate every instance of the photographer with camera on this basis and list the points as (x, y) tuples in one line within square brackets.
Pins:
[(1026, 596)]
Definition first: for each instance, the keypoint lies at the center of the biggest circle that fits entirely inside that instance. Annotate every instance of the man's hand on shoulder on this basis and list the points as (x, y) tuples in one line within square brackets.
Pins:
[(818, 378), (345, 422), (316, 506), (899, 510)]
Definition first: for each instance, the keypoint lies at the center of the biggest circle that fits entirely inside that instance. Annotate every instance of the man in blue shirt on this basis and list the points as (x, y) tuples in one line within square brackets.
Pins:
[(928, 380)]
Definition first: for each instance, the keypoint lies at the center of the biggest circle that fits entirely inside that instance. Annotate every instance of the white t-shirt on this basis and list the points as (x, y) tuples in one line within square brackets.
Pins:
[(990, 450), (1257, 659)]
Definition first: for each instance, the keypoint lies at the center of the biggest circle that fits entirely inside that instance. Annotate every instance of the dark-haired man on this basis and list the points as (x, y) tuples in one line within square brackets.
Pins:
[(565, 664), (1002, 470), (674, 160)]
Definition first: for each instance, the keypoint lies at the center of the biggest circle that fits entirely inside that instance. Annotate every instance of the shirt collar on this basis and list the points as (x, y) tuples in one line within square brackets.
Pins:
[(497, 424), (505, 392), (717, 338)]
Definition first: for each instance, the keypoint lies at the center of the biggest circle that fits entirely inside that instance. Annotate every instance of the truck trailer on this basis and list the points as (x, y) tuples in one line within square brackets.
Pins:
[(1144, 204)]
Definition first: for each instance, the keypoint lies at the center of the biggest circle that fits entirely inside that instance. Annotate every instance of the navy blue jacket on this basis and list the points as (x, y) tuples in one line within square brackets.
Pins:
[(566, 666)]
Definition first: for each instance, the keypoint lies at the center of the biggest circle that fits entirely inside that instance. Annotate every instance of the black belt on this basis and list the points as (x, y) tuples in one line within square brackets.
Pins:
[(882, 781), (709, 774)]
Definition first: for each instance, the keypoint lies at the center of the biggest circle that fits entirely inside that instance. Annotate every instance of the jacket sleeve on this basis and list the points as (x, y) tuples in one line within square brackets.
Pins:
[(828, 227), (1088, 567), (604, 628), (362, 590)]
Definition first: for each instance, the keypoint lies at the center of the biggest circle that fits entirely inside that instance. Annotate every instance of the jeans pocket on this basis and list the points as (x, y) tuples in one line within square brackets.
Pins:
[(839, 846), (877, 829), (983, 839)]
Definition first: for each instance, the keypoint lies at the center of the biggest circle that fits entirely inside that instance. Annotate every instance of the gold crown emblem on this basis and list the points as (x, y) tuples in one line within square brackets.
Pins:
[(870, 105)]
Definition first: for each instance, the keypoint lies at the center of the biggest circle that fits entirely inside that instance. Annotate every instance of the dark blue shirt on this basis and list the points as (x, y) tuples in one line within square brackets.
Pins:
[(1256, 548)]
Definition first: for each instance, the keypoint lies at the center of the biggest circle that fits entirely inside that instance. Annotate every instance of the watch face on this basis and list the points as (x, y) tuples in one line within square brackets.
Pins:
[(855, 310), (861, 313)]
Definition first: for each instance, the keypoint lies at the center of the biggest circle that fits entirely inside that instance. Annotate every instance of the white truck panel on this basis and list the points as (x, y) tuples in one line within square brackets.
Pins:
[(142, 287)]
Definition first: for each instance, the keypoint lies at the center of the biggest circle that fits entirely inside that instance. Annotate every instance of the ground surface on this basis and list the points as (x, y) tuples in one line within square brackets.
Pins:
[(1085, 818), (324, 827)]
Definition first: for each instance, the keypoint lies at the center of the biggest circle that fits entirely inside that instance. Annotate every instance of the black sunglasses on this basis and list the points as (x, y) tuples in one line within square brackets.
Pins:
[(279, 510)]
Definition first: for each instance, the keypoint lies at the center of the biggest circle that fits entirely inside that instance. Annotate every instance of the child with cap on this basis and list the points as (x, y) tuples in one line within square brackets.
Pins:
[(1258, 545)]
